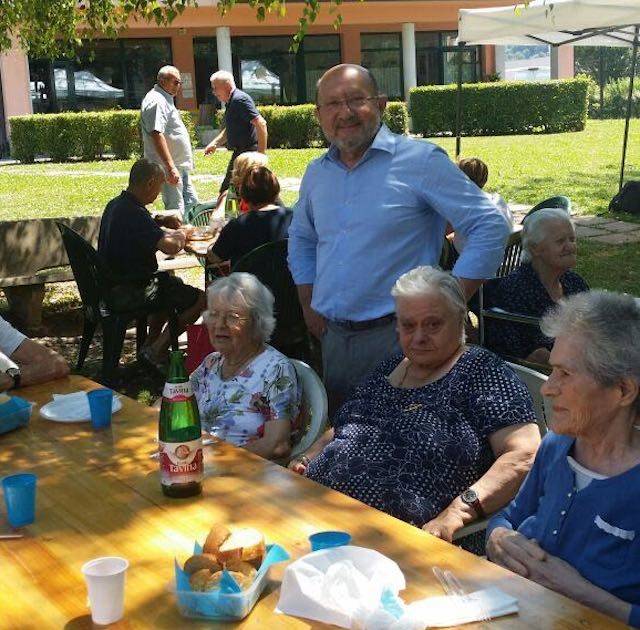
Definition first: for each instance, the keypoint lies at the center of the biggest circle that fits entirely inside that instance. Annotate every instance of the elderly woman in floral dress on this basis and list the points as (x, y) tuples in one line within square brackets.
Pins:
[(247, 391)]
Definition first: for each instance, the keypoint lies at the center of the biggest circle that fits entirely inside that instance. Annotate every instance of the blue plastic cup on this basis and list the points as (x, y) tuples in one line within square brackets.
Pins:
[(100, 404), (326, 540), (20, 498)]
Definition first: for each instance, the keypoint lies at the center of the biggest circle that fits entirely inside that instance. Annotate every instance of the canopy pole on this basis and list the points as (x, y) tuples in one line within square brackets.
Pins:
[(459, 101), (634, 57)]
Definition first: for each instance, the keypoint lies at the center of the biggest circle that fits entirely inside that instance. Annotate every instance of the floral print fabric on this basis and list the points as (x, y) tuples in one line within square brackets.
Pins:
[(410, 452), (236, 410)]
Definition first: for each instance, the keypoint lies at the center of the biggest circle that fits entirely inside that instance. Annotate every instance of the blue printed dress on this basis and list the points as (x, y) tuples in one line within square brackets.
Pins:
[(410, 452), (237, 409)]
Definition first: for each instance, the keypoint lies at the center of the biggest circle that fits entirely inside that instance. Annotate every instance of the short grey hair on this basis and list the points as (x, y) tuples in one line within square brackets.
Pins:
[(167, 71), (426, 280), (144, 171), (223, 76), (534, 229), (608, 327), (258, 299)]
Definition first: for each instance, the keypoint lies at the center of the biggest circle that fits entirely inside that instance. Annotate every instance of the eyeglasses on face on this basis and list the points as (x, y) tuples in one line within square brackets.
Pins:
[(176, 81), (354, 104), (229, 318)]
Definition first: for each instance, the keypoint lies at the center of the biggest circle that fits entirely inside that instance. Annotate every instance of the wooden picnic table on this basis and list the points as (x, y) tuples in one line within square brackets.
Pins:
[(99, 494)]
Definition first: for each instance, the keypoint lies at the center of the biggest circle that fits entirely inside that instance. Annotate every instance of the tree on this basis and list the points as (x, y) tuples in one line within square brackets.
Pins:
[(50, 28)]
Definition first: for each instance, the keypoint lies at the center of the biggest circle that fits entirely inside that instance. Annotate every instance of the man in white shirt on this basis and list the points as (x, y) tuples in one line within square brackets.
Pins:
[(166, 140), (25, 362)]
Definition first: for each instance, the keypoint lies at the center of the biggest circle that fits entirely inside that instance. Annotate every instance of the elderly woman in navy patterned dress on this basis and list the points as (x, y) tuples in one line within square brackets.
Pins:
[(436, 437), (548, 254)]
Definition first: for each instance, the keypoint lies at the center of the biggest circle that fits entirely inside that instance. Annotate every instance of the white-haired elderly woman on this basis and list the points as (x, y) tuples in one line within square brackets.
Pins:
[(247, 391), (548, 254), (574, 526), (439, 435)]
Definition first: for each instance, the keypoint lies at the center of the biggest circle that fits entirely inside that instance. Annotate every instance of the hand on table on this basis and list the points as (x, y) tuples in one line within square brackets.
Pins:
[(445, 525), (171, 221), (514, 551), (315, 322), (299, 465), (173, 177)]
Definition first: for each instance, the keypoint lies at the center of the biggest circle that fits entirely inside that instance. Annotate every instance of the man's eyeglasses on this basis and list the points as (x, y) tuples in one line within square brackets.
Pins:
[(354, 104), (176, 81), (229, 318)]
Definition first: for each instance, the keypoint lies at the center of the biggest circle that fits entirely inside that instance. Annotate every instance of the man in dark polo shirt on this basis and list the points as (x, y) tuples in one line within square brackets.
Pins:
[(128, 241), (245, 129)]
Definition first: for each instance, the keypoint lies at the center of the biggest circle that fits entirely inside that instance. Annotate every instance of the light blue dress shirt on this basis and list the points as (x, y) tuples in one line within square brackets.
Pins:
[(355, 231)]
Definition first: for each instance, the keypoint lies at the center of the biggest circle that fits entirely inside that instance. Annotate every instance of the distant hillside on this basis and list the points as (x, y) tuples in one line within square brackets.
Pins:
[(513, 53)]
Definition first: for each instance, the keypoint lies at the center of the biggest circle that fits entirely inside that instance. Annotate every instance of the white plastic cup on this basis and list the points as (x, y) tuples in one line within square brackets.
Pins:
[(105, 584)]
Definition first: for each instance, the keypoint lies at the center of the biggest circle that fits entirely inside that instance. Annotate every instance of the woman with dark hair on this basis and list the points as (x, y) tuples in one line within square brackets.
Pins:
[(265, 222)]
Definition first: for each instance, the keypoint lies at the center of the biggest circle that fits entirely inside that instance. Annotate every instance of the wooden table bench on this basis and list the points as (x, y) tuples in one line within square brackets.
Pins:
[(99, 495), (32, 255)]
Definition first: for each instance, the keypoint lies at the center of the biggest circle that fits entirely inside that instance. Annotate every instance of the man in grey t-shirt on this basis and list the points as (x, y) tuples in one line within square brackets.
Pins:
[(166, 140)]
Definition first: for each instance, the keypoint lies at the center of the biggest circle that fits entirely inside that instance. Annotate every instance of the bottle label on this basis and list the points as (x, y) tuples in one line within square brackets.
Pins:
[(180, 462), (177, 392)]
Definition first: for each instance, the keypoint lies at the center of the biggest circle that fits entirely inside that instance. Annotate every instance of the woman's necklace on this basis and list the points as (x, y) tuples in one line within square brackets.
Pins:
[(232, 368), (442, 369)]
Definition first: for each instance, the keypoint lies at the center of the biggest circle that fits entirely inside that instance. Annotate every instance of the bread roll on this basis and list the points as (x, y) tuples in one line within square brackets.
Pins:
[(245, 544), (241, 579), (218, 534), (202, 580), (202, 561), (242, 567)]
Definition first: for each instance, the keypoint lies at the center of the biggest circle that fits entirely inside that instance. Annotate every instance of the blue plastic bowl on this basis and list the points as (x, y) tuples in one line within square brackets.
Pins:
[(326, 540), (15, 413)]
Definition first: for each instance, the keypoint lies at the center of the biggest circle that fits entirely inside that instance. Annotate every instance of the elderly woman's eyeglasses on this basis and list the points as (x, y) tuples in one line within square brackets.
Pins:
[(354, 104), (229, 318)]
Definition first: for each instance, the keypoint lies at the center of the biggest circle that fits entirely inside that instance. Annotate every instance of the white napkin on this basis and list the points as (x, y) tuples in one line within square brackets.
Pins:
[(74, 406), (338, 585), (444, 611)]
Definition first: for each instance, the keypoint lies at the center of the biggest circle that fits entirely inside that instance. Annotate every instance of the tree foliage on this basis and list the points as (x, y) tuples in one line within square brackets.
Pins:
[(51, 28)]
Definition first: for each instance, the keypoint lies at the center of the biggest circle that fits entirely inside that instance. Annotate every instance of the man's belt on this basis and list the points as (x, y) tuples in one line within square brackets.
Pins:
[(365, 325)]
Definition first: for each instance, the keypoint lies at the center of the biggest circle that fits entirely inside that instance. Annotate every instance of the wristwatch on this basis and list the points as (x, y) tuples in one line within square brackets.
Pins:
[(470, 497), (14, 373)]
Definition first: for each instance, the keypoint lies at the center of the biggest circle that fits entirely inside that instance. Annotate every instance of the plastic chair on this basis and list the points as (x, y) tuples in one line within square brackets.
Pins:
[(315, 408), (194, 211), (269, 264), (543, 409), (559, 201), (94, 281)]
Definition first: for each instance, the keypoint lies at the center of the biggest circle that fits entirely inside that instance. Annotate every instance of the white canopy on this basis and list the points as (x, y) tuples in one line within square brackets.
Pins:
[(577, 22)]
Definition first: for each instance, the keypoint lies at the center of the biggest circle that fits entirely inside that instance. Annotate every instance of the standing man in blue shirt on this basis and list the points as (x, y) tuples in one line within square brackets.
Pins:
[(166, 140), (245, 129), (373, 207)]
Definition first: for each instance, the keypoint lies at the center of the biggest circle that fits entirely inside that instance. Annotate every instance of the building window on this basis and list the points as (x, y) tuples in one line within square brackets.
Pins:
[(437, 59), (382, 55), (266, 69), (107, 74)]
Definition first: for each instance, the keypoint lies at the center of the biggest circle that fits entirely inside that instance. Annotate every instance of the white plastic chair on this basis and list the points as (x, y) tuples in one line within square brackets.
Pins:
[(542, 407), (314, 403)]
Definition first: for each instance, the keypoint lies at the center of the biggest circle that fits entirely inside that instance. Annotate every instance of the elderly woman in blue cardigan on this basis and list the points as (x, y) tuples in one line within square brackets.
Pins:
[(574, 526)]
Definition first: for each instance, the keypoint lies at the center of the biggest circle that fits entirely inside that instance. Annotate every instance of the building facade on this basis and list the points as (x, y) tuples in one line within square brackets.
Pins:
[(404, 42)]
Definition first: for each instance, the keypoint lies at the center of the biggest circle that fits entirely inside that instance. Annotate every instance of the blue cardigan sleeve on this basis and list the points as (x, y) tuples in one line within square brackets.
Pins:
[(525, 502), (634, 617)]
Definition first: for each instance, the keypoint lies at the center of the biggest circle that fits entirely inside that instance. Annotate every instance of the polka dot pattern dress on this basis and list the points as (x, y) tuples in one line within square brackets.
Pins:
[(522, 292), (410, 452)]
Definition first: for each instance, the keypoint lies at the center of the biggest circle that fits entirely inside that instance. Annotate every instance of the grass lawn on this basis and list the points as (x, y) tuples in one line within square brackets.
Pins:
[(524, 169)]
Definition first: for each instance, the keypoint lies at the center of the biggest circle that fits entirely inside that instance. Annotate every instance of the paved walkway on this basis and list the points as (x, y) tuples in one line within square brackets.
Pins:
[(600, 229)]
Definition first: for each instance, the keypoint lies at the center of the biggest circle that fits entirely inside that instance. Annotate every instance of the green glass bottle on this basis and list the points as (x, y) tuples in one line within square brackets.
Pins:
[(231, 204), (179, 434)]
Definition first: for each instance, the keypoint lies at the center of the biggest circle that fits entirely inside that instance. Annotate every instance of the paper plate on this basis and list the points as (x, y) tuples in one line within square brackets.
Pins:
[(60, 411)]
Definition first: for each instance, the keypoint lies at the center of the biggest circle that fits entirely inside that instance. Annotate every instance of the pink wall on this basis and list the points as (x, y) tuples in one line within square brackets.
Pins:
[(14, 72)]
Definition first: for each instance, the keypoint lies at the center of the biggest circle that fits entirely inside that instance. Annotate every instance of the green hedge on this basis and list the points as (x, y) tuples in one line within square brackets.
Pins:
[(85, 135), (296, 126), (505, 107)]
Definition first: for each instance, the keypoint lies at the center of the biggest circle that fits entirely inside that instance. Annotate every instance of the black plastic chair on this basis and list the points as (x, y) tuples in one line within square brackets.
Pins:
[(559, 201), (94, 281), (269, 264)]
